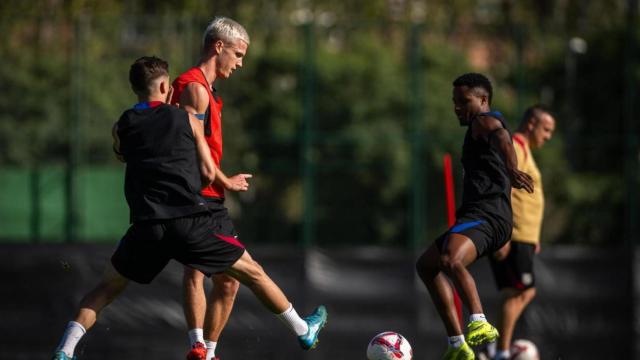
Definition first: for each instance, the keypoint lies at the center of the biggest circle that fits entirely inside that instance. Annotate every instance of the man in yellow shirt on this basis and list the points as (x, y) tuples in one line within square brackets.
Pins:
[(512, 265)]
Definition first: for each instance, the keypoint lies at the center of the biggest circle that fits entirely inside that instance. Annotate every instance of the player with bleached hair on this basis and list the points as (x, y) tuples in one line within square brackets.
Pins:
[(225, 29), (224, 45)]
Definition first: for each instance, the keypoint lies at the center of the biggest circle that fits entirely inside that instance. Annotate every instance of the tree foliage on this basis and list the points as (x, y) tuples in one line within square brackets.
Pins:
[(64, 76)]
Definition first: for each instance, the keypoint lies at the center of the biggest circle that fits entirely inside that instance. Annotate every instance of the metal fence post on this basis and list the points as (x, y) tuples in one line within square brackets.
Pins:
[(306, 151), (73, 154), (416, 137), (36, 219), (631, 136)]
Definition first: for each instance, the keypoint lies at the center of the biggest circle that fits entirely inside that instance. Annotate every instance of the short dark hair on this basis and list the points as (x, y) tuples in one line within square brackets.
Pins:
[(473, 80), (534, 111), (144, 70)]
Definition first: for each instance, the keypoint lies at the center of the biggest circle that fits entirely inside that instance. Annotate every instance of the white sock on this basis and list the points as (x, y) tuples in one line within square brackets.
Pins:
[(503, 354), (211, 349), (195, 335), (477, 317), (455, 341), (72, 335), (491, 349), (291, 318)]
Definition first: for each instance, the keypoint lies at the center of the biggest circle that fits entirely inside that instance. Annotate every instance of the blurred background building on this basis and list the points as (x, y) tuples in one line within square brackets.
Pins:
[(343, 113)]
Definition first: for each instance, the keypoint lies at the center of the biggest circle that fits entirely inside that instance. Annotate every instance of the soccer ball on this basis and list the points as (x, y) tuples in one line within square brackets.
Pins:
[(522, 349), (389, 345)]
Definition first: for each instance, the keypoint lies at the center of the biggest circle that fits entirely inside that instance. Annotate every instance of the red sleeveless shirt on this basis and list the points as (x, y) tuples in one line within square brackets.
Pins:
[(214, 133)]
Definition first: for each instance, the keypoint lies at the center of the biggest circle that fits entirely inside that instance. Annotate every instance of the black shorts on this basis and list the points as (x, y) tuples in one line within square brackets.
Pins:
[(485, 234), (516, 270), (204, 241), (215, 204)]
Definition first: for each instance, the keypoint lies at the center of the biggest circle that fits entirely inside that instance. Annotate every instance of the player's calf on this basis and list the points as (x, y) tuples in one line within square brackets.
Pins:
[(251, 274)]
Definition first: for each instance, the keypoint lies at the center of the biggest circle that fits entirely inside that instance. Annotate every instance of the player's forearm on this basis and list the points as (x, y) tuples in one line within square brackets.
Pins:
[(519, 179), (510, 159), (207, 166), (502, 142), (221, 178)]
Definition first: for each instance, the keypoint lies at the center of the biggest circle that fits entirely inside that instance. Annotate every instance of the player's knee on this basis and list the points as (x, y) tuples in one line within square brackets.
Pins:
[(450, 265), (229, 287), (529, 294), (503, 252), (192, 277), (192, 274), (427, 265)]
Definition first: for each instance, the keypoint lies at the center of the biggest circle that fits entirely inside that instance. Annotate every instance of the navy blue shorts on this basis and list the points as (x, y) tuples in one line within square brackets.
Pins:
[(485, 235), (204, 241)]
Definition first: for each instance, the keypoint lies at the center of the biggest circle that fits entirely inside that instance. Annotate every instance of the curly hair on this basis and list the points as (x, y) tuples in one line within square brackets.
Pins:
[(475, 80)]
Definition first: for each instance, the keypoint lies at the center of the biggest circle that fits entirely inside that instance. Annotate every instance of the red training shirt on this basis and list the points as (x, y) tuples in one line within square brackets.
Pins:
[(213, 135)]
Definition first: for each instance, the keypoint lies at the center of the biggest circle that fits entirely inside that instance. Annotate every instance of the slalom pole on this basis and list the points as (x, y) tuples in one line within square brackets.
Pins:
[(451, 220)]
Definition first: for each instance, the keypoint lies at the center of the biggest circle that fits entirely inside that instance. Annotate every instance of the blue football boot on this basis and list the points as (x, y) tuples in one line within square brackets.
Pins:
[(316, 322), (59, 355)]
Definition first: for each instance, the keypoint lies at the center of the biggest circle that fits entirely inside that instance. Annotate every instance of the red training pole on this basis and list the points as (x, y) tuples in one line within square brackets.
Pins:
[(449, 191), (451, 219)]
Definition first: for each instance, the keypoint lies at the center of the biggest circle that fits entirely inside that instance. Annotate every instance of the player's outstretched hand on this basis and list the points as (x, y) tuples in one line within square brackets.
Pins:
[(239, 182), (521, 180)]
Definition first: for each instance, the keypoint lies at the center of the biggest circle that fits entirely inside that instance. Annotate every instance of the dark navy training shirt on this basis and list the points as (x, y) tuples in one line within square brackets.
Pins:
[(487, 188), (162, 179)]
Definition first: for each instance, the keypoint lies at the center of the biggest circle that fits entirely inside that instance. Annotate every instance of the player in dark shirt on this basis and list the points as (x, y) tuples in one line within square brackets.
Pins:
[(484, 219), (168, 163)]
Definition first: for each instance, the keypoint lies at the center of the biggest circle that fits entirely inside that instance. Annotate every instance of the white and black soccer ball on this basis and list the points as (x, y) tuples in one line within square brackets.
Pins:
[(522, 349), (389, 345)]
